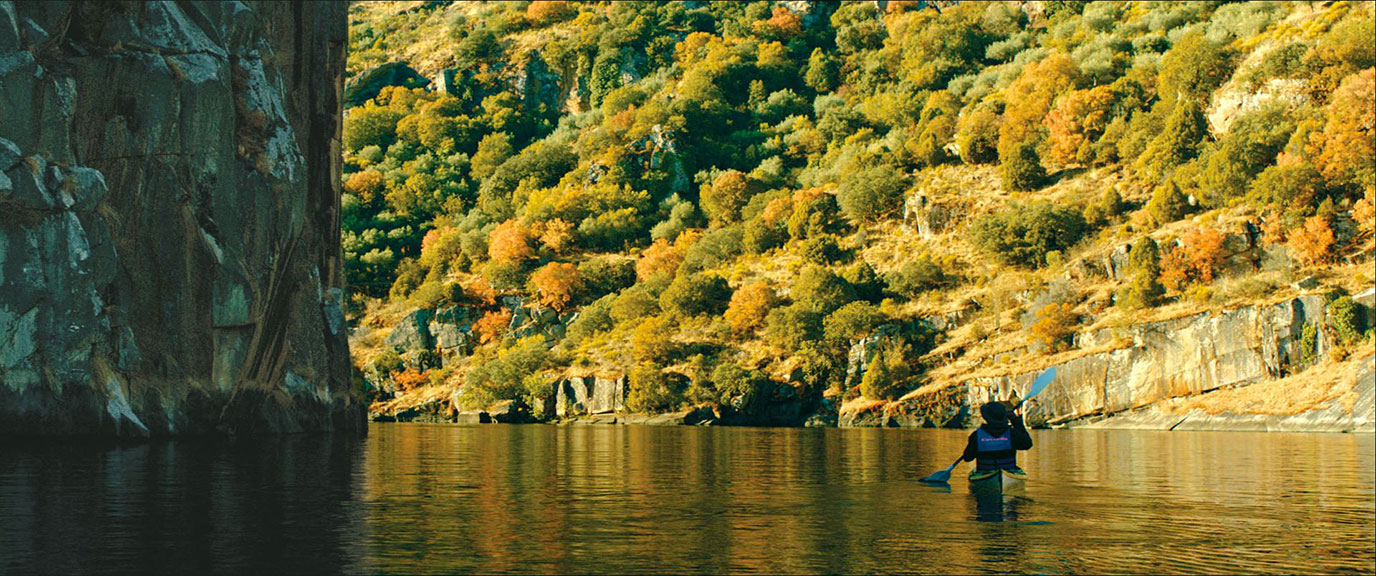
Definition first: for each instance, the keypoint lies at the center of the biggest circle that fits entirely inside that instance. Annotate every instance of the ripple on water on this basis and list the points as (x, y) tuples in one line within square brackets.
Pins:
[(494, 499)]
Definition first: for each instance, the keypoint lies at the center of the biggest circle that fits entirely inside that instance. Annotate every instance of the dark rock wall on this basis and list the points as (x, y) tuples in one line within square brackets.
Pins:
[(169, 218)]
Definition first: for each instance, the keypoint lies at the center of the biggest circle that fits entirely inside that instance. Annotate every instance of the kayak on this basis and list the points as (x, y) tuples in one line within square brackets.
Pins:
[(992, 482)]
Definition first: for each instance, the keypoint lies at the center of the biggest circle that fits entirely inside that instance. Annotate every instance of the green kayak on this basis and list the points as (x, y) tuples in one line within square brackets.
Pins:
[(997, 481)]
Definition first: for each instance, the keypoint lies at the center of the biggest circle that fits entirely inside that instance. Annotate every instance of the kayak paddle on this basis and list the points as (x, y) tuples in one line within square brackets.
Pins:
[(1043, 379), (942, 476), (1046, 377)]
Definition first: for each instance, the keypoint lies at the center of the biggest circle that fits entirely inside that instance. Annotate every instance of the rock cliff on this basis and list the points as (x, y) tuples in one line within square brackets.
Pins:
[(169, 218), (1159, 361)]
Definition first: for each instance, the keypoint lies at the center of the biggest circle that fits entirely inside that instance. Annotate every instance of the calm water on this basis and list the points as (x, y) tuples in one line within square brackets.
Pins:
[(434, 498)]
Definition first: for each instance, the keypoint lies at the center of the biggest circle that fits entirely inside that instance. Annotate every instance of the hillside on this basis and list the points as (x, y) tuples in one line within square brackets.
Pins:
[(865, 213)]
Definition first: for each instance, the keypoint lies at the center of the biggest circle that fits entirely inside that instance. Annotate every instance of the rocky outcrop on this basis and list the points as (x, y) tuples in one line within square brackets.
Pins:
[(579, 396), (1170, 359), (369, 84), (169, 218), (929, 218)]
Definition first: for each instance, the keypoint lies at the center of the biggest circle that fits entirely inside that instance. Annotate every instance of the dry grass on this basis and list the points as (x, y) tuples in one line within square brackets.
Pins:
[(1311, 389)]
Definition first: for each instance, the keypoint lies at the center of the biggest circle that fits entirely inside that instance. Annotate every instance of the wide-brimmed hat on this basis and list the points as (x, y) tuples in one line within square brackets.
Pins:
[(994, 413)]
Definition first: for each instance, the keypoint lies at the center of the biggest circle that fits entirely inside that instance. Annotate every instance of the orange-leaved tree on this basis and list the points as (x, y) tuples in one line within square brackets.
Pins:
[(557, 284), (492, 325), (1313, 240), (510, 243), (749, 305)]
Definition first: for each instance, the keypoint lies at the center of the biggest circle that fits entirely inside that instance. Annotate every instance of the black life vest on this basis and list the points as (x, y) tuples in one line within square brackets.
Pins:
[(995, 452)]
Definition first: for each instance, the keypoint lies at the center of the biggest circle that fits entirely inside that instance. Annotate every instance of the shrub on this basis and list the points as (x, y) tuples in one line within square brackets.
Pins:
[(1204, 251), (557, 284), (695, 295), (504, 377), (542, 12), (1105, 209), (713, 249), (650, 389), (723, 200), (650, 341), (1167, 204), (1021, 235), (1054, 325), (1287, 187), (639, 301), (492, 326), (852, 322), (889, 373), (761, 235), (977, 136), (749, 306), (593, 318), (1346, 320), (1348, 155), (510, 242), (1313, 241), (793, 326), (822, 249), (607, 274), (821, 288), (869, 193), (1144, 290), (1178, 143), (1022, 169), (410, 379), (917, 276)]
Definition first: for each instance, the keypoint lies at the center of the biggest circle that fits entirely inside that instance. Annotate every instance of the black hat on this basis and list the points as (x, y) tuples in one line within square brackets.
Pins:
[(994, 413)]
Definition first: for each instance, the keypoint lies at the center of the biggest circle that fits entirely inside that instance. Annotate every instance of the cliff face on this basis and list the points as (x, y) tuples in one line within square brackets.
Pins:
[(169, 218), (1164, 360)]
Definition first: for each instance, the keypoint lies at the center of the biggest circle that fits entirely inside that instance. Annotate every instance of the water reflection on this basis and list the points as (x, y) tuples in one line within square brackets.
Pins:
[(434, 498)]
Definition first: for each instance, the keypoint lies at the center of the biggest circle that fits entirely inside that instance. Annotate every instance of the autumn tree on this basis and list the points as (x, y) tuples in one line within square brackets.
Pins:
[(1313, 241), (492, 325), (1077, 121), (749, 306), (724, 199), (510, 243), (1053, 326), (1347, 145), (542, 12), (661, 257), (557, 284)]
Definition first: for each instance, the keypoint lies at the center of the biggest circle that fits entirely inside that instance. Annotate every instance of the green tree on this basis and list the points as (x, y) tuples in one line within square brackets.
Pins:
[(869, 193), (1178, 143)]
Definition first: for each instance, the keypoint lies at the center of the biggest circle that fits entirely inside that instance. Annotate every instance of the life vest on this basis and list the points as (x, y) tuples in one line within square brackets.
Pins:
[(995, 452)]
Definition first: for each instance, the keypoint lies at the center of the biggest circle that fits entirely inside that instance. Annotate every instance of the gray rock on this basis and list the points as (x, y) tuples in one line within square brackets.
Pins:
[(1306, 283), (9, 154), (473, 418), (412, 332), (9, 34), (211, 315), (28, 189)]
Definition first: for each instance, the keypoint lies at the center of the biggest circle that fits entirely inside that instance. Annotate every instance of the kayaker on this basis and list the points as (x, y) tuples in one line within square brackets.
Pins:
[(995, 444)]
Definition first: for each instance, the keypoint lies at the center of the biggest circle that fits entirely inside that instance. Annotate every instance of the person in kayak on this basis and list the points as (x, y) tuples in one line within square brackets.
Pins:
[(995, 444)]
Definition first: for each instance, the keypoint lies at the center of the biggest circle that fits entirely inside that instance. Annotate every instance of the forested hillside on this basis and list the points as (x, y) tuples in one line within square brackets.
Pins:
[(734, 203)]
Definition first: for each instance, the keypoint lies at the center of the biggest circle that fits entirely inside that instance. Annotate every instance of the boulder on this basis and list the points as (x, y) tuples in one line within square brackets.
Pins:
[(412, 332)]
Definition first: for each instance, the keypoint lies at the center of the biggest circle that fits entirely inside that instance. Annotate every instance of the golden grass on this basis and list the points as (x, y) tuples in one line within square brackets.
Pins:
[(1314, 388)]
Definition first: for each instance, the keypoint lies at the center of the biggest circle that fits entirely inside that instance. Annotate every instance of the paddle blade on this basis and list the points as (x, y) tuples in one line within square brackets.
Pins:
[(1046, 377), (940, 477)]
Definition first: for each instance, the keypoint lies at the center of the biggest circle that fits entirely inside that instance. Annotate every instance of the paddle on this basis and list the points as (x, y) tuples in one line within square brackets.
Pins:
[(1046, 377), (942, 476)]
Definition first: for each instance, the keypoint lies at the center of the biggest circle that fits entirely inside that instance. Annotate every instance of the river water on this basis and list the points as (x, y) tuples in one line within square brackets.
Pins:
[(614, 499)]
